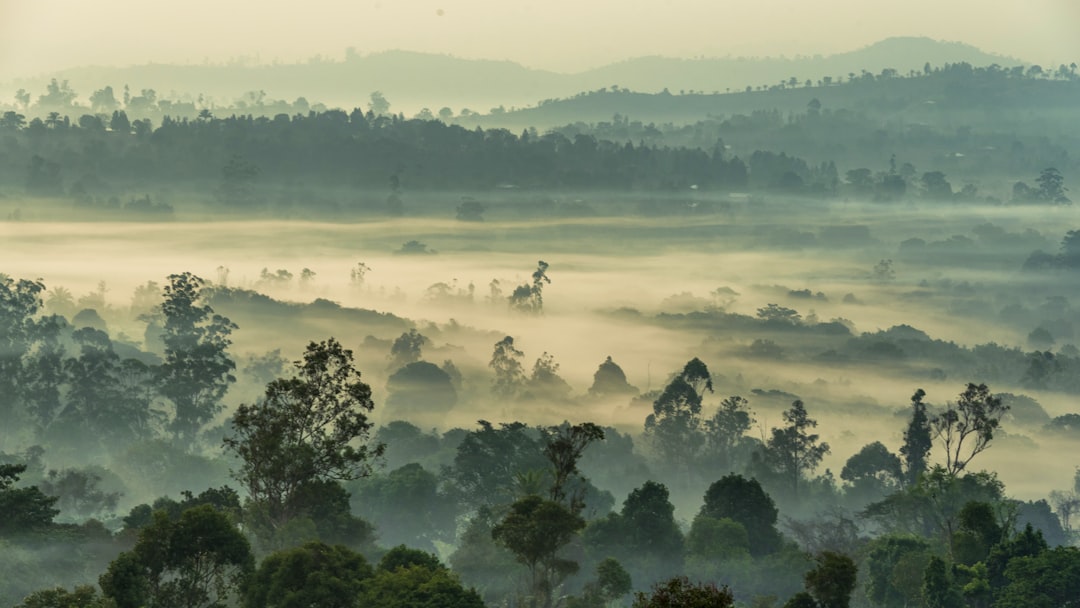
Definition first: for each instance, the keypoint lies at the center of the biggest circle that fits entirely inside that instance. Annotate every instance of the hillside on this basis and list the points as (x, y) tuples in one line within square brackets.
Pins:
[(958, 92), (415, 80)]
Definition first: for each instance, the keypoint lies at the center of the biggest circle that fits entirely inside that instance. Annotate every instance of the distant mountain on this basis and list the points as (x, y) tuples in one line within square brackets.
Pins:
[(653, 74), (413, 80), (960, 92)]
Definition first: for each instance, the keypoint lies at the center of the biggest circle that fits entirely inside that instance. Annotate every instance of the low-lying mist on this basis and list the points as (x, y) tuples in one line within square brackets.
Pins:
[(651, 294)]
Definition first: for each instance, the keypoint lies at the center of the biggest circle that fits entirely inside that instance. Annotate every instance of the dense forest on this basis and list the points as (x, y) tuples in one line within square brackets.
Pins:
[(300, 495), (299, 161)]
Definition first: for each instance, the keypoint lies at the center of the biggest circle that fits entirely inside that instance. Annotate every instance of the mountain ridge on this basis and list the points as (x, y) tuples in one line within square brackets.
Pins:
[(412, 79)]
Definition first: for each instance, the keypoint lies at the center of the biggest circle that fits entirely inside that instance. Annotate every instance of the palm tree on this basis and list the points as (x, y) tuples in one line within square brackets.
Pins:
[(12, 120)]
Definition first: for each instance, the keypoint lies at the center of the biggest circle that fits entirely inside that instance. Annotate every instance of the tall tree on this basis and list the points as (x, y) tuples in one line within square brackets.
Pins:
[(535, 530), (725, 429), (793, 450), (966, 427), (197, 370), (674, 427), (745, 502), (197, 561), (833, 579), (310, 428), (509, 374), (563, 447), (529, 298), (917, 440)]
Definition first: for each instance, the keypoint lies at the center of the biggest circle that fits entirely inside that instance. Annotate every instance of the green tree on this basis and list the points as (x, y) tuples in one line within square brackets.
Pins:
[(745, 502), (197, 561), (83, 596), (563, 446), (545, 381), (872, 473), (972, 420), (643, 536), (714, 539), (725, 431), (404, 557), (679, 592), (793, 450), (1052, 186), (894, 570), (26, 510), (312, 427), (832, 580), (609, 379), (978, 531), (314, 574), (506, 362), (938, 589), (417, 587), (529, 298), (1050, 579), (420, 387), (407, 506), (674, 427), (535, 530), (489, 459), (407, 348), (917, 440), (197, 370)]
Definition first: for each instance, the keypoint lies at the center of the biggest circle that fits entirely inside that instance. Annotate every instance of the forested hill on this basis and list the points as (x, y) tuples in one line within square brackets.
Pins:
[(956, 92), (414, 80), (363, 162)]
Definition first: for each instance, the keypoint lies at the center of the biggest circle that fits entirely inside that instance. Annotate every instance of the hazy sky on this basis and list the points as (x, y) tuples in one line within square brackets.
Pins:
[(565, 35)]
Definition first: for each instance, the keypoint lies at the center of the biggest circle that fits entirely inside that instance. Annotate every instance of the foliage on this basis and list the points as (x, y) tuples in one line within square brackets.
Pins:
[(609, 379), (529, 298), (792, 450), (420, 387), (1047, 580), (717, 539), (488, 460), (407, 506), (938, 590), (417, 587), (506, 362), (917, 440), (973, 418), (304, 429), (545, 381), (679, 592), (643, 536), (482, 562), (563, 447), (197, 370), (744, 502), (407, 348), (535, 530), (725, 431), (26, 510), (313, 574), (832, 580), (674, 427), (872, 473), (83, 596), (197, 561), (894, 570), (404, 557)]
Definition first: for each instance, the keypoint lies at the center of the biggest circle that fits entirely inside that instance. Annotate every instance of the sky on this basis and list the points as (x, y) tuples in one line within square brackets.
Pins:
[(38, 36)]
